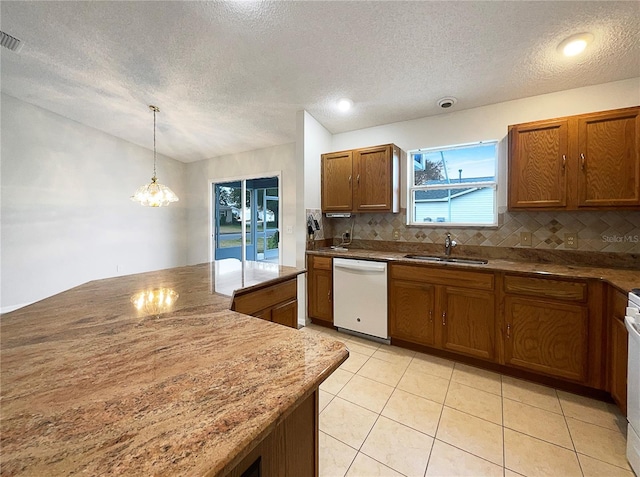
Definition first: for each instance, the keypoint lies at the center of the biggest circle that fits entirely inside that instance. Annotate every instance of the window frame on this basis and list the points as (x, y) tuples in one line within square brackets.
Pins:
[(411, 188)]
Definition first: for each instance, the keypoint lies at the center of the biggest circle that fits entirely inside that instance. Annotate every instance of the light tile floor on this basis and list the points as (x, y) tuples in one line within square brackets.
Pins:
[(388, 411)]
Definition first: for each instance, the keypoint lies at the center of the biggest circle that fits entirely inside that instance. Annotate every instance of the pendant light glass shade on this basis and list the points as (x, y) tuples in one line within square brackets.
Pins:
[(154, 194)]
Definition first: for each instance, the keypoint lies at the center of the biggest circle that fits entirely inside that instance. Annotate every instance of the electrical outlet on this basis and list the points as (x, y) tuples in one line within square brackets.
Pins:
[(396, 234), (289, 229), (525, 239), (571, 240)]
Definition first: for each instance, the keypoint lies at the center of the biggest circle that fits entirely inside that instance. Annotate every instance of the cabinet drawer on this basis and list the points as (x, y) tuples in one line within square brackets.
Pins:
[(258, 300), (321, 263), (546, 287), (440, 276)]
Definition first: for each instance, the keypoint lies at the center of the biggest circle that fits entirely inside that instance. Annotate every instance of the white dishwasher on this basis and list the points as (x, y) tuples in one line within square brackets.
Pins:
[(360, 297)]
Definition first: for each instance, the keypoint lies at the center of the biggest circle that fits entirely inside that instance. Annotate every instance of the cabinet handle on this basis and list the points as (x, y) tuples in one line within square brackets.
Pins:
[(329, 296), (444, 318), (582, 161), (358, 179), (349, 180), (564, 162), (430, 316), (508, 330)]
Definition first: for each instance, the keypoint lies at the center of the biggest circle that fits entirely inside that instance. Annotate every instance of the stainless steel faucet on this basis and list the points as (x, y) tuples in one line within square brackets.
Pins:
[(448, 245)]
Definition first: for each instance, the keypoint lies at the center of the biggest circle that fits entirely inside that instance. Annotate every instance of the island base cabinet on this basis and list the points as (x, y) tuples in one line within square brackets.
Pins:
[(546, 337), (468, 322), (290, 450), (277, 303)]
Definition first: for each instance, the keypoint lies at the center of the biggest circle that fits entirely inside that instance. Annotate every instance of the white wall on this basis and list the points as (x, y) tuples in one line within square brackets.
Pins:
[(66, 214), (317, 140), (312, 139), (490, 122), (199, 176)]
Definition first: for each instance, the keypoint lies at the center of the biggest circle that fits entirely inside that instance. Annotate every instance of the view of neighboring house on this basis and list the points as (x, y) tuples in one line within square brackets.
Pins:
[(463, 205)]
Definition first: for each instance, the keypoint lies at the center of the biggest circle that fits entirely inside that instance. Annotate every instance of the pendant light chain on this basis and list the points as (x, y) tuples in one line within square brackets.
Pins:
[(154, 109)]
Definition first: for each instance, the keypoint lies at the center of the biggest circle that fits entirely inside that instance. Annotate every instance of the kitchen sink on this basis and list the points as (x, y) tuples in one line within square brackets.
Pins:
[(434, 258)]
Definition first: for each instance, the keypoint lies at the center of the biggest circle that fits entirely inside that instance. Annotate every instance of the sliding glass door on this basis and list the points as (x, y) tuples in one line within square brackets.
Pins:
[(257, 216)]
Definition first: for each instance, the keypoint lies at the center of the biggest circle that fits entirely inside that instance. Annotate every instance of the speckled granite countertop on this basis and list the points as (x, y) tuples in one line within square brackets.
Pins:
[(90, 385), (623, 279)]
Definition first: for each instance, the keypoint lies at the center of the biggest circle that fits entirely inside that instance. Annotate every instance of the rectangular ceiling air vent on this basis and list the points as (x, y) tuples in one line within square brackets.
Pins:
[(10, 42)]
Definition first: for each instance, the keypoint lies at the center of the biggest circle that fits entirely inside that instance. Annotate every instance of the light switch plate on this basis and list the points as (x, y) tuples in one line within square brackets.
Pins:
[(525, 239)]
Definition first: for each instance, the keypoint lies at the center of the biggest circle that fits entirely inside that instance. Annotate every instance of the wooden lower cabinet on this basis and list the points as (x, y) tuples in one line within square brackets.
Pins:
[(468, 322), (286, 314), (618, 346), (320, 289), (277, 303), (425, 308), (547, 337), (412, 310), (290, 450)]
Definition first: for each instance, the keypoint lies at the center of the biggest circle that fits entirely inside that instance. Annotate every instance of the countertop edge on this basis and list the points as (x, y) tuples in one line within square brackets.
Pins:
[(494, 265)]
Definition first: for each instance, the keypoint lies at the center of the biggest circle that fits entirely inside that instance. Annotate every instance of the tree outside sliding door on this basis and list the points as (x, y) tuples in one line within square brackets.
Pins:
[(258, 214)]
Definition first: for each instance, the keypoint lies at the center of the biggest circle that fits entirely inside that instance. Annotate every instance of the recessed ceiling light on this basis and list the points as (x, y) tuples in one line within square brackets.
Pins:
[(447, 102), (575, 44), (345, 104)]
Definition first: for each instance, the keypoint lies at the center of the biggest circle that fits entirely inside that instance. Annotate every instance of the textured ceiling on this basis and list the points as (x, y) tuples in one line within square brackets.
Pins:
[(230, 76)]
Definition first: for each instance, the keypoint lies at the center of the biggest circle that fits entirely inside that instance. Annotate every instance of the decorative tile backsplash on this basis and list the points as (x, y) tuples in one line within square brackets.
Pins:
[(607, 231)]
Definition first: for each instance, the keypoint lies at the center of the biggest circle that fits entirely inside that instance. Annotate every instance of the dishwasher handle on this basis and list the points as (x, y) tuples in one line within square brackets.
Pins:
[(360, 265)]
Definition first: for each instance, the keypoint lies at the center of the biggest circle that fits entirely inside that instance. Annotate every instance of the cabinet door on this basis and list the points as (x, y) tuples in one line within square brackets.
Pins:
[(411, 311), (547, 337), (286, 314), (618, 345), (373, 179), (468, 321), (336, 182), (538, 155), (320, 295), (618, 349), (609, 161)]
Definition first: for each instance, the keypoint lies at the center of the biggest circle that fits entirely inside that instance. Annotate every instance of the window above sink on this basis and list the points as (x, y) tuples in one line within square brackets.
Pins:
[(453, 185)]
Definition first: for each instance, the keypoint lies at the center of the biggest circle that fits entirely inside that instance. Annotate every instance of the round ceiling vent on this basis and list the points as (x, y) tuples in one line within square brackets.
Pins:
[(446, 103)]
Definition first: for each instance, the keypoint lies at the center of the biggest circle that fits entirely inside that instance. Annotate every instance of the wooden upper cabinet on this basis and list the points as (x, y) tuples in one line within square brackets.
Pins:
[(591, 161), (377, 172), (337, 195), (609, 158), (362, 180), (538, 163)]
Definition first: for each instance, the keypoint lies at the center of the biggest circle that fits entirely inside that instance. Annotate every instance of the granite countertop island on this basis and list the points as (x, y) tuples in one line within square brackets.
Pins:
[(94, 384)]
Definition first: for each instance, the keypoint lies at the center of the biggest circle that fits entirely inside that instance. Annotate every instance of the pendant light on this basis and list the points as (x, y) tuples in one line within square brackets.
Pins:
[(154, 194)]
